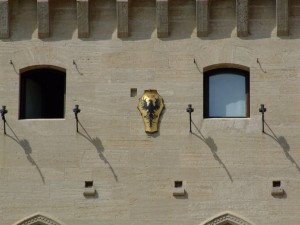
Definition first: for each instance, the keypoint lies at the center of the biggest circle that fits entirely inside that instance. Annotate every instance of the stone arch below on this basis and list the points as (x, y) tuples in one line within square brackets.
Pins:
[(42, 66), (38, 219), (226, 65), (41, 56), (226, 219)]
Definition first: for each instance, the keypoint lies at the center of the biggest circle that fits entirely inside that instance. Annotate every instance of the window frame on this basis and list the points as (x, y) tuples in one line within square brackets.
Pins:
[(224, 71), (22, 90)]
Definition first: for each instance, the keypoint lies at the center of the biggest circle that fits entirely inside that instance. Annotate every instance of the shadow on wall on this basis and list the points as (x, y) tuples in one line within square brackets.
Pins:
[(283, 144), (99, 147), (103, 19), (182, 19), (142, 19), (23, 20), (63, 17), (213, 148), (25, 145)]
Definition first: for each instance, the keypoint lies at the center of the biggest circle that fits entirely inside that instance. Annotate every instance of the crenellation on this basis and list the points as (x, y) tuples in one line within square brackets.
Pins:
[(4, 19), (202, 15), (83, 18), (282, 17), (242, 12), (43, 18), (162, 18), (122, 18)]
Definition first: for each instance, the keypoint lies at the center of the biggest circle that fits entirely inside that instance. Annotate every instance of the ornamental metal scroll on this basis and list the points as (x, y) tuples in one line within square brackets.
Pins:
[(150, 106), (38, 219), (226, 218)]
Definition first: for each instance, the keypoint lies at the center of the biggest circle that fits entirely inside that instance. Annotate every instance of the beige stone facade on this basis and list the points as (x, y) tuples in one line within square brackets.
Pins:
[(109, 48)]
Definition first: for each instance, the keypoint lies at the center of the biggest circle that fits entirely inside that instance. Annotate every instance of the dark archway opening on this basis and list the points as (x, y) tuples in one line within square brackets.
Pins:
[(42, 94)]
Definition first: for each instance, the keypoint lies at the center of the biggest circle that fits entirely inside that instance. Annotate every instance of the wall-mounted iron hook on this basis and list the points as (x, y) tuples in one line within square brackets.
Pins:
[(259, 63), (76, 110), (75, 64), (13, 65), (3, 111), (262, 110), (195, 62), (190, 110)]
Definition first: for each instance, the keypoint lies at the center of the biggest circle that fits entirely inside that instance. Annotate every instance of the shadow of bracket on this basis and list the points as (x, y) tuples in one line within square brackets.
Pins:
[(213, 148), (96, 142), (25, 145), (283, 144)]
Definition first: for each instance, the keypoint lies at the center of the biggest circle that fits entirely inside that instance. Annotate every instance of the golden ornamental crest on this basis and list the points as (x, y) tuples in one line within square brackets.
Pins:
[(150, 106)]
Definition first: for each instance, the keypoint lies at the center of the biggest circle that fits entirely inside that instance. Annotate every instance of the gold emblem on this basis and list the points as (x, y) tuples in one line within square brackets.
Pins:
[(150, 106)]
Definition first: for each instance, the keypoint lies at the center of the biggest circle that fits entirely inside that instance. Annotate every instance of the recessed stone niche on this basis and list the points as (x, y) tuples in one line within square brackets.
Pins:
[(133, 92), (179, 188), (89, 189), (277, 189)]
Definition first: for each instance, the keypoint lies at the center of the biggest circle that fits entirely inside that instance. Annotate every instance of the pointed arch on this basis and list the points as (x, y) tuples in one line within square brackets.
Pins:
[(226, 218), (38, 218)]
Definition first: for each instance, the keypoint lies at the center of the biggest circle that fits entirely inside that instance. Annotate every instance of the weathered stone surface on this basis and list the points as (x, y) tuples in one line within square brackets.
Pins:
[(122, 18), (83, 18), (282, 17), (162, 18), (242, 17), (4, 19), (43, 18), (202, 14), (227, 163)]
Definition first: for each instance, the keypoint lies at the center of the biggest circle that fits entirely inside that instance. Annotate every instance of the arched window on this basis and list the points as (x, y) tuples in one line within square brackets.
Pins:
[(42, 94), (226, 93)]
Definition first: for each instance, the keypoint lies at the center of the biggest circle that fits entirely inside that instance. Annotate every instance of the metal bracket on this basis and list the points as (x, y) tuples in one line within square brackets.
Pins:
[(76, 110), (3, 111), (190, 110), (262, 110)]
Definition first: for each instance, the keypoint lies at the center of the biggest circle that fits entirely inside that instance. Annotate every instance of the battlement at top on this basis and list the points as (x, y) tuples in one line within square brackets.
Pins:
[(203, 17)]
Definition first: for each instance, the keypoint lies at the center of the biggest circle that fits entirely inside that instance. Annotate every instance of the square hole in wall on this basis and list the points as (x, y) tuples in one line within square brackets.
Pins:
[(178, 184), (89, 184), (133, 92), (276, 183)]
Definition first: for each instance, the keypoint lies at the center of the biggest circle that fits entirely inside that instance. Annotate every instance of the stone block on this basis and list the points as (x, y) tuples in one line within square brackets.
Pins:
[(276, 191), (202, 15), (43, 18), (83, 18), (282, 17), (179, 188), (242, 11), (122, 18), (4, 19), (162, 18), (89, 191), (179, 191)]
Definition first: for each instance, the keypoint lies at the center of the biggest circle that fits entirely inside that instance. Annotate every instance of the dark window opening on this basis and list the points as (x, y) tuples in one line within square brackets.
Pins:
[(89, 184), (178, 184), (133, 92), (226, 93), (42, 94), (276, 183)]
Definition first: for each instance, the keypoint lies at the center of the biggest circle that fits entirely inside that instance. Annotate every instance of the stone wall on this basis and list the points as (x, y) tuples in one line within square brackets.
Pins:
[(226, 164)]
